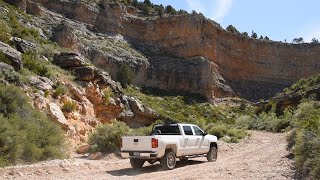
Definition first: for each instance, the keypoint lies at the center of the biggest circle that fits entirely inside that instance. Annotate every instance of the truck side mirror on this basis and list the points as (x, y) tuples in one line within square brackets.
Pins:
[(204, 134)]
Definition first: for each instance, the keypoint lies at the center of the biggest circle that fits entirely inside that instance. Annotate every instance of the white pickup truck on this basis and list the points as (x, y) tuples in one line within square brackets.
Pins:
[(168, 142)]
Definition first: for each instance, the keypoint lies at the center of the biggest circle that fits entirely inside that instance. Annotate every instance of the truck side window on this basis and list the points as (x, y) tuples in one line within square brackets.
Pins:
[(197, 131), (187, 130)]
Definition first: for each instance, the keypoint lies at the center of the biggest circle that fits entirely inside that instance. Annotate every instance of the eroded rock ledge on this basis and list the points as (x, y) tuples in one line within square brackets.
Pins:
[(243, 62)]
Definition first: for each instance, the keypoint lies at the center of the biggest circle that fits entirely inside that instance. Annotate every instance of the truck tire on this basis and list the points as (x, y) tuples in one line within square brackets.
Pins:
[(212, 154), (136, 163), (169, 160)]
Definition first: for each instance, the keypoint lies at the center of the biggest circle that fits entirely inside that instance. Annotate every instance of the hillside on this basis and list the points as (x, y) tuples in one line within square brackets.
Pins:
[(83, 73), (253, 68)]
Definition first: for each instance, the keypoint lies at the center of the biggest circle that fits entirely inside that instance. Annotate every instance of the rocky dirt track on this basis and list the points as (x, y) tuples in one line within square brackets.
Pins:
[(260, 156)]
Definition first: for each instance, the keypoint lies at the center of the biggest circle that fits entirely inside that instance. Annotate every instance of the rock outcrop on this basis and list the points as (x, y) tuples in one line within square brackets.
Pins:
[(106, 109), (33, 8), (64, 35), (4, 66), (23, 45), (12, 55), (57, 115), (137, 114), (84, 71), (69, 60), (41, 83), (251, 67)]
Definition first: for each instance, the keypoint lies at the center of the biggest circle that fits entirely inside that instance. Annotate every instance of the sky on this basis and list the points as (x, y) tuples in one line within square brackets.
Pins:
[(280, 20)]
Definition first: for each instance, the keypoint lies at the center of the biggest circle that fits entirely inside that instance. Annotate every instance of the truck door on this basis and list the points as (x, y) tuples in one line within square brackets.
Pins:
[(201, 144), (189, 140)]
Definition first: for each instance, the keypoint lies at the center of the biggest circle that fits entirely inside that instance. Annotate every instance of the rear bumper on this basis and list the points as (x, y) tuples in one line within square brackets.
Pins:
[(142, 155)]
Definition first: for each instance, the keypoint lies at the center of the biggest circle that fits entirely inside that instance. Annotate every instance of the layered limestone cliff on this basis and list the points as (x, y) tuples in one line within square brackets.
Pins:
[(195, 54)]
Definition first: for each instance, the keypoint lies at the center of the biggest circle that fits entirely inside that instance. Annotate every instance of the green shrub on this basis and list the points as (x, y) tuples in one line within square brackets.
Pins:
[(304, 140), (69, 106), (4, 59), (125, 75), (10, 76), (25, 134), (226, 133), (60, 90), (303, 84), (266, 121), (18, 30), (106, 138), (30, 62), (5, 31), (218, 130), (107, 94), (243, 122)]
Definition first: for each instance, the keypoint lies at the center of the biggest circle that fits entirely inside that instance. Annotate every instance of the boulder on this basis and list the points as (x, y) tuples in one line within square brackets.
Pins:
[(104, 111), (12, 55), (138, 114), (87, 107), (33, 8), (85, 73), (57, 115), (65, 35), (95, 156), (42, 83), (126, 116), (23, 45), (76, 92), (4, 66), (40, 102), (137, 107), (69, 60)]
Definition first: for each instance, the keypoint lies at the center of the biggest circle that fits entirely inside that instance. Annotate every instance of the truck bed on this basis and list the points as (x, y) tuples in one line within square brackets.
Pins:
[(137, 143)]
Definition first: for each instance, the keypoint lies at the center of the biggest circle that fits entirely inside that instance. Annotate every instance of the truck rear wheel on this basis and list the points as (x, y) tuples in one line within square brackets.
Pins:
[(136, 163), (212, 154), (168, 161)]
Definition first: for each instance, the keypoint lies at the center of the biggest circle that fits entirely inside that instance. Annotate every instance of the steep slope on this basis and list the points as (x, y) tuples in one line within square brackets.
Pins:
[(253, 68)]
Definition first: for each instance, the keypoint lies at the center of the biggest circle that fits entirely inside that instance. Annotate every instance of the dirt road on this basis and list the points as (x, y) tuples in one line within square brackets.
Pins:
[(260, 156)]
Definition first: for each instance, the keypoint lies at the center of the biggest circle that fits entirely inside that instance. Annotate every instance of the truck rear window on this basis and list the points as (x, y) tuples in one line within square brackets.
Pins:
[(168, 130)]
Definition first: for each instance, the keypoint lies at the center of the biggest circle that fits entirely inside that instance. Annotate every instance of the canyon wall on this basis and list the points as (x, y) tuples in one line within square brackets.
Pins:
[(253, 68)]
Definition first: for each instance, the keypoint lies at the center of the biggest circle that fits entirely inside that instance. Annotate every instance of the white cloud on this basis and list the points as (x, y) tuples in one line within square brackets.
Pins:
[(314, 34), (222, 9), (213, 9), (309, 32)]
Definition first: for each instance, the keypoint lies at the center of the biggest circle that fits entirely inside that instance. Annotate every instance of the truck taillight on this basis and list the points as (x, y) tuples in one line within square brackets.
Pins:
[(121, 143), (154, 143)]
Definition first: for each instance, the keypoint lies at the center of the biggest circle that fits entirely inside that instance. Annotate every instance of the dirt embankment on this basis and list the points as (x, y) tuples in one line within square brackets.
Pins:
[(260, 156)]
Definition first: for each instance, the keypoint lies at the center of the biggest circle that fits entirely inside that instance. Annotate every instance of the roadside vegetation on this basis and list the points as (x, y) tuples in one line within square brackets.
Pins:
[(26, 136), (302, 120)]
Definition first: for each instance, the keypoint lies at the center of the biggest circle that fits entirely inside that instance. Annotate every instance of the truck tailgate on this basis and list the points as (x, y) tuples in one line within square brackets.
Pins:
[(136, 143)]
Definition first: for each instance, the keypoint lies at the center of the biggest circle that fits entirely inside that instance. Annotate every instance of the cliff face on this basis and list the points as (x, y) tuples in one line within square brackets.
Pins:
[(253, 68)]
